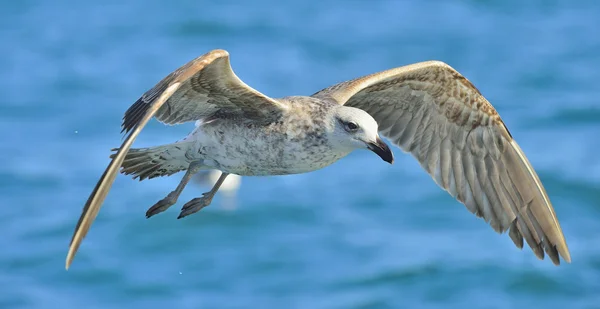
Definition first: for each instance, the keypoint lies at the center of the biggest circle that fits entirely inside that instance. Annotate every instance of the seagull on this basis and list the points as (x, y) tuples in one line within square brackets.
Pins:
[(427, 109)]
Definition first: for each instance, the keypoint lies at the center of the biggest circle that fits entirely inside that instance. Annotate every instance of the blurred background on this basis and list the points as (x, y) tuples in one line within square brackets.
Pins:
[(357, 234)]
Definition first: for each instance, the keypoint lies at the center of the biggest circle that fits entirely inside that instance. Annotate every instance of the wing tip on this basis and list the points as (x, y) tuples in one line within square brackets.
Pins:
[(69, 260), (73, 247), (561, 245), (563, 250)]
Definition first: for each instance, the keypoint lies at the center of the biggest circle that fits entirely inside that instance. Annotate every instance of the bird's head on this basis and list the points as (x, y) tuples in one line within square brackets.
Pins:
[(354, 128)]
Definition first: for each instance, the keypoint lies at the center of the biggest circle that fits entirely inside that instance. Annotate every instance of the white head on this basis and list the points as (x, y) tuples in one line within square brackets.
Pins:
[(354, 128)]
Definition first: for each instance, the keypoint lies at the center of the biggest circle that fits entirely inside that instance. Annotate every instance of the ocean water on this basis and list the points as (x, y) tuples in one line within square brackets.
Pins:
[(357, 234)]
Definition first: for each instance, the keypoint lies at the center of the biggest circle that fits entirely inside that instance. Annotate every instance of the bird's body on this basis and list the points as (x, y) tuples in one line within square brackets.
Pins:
[(296, 143), (428, 109)]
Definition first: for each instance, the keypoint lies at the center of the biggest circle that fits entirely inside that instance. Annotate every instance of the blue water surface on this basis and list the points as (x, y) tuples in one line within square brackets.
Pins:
[(357, 234)]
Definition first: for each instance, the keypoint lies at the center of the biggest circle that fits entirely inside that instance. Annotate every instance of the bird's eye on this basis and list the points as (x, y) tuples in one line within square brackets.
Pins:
[(351, 126)]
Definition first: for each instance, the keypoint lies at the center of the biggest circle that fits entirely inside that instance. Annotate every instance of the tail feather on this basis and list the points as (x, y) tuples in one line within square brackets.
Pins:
[(148, 163)]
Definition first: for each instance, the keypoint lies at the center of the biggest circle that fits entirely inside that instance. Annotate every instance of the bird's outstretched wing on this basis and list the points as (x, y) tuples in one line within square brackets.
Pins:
[(202, 88), (433, 112), (208, 87)]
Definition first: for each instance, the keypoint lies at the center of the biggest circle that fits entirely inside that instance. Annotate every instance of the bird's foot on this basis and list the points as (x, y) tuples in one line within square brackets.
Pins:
[(196, 205), (162, 205)]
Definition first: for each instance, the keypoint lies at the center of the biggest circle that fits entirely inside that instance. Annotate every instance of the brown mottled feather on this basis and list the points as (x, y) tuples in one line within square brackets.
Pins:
[(436, 114)]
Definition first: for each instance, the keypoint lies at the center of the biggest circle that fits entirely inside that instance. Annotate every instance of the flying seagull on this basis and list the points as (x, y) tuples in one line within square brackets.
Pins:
[(428, 109)]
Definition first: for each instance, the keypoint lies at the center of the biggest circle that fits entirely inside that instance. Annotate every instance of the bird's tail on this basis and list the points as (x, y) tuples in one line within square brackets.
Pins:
[(147, 163)]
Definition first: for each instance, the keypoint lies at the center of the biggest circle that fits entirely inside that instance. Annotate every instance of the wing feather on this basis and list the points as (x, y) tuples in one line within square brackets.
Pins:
[(208, 87), (433, 112)]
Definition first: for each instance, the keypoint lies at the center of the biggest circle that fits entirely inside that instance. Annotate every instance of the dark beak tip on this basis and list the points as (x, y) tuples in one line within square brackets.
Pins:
[(382, 150), (390, 161)]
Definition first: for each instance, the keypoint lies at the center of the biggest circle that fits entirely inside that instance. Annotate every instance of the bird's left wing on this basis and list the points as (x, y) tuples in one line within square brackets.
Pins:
[(204, 87), (436, 114)]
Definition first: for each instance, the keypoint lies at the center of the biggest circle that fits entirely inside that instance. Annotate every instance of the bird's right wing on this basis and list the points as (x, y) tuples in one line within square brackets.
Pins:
[(204, 87), (208, 87)]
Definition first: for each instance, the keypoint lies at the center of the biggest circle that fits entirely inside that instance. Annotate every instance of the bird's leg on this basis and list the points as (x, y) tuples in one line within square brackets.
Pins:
[(198, 203), (171, 199)]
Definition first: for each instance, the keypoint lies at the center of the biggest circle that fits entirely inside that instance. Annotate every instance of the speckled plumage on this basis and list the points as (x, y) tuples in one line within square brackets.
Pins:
[(428, 109), (295, 143)]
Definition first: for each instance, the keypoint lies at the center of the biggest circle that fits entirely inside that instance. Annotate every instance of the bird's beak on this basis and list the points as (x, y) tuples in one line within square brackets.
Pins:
[(382, 150)]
